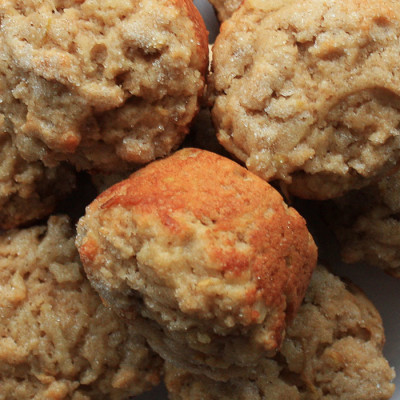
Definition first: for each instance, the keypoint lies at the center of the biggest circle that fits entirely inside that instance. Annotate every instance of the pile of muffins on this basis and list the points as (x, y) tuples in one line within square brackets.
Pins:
[(187, 266)]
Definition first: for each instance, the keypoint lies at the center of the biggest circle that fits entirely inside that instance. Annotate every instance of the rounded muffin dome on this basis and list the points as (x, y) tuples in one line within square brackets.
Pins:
[(57, 339), (102, 84), (204, 257), (332, 350), (308, 93)]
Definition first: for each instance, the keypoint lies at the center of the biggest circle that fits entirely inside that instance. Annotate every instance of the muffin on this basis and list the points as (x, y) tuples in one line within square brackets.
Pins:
[(307, 93), (203, 257), (332, 350), (28, 190), (104, 85), (57, 340), (366, 224), (225, 8)]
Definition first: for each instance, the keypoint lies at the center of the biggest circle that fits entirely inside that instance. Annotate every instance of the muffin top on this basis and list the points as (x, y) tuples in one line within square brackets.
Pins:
[(103, 84), (332, 350), (307, 92), (204, 249), (57, 339)]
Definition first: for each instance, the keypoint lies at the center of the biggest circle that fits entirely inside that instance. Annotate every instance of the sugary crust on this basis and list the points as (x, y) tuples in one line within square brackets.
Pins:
[(102, 85), (200, 31), (333, 350), (308, 92), (57, 340), (203, 251)]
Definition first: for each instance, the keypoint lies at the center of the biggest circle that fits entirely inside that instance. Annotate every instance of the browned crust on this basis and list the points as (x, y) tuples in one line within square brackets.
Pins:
[(220, 192), (200, 30)]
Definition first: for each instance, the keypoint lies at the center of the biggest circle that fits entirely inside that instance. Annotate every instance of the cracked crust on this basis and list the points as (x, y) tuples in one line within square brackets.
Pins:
[(57, 340), (332, 351), (28, 190), (367, 224), (308, 92), (101, 84), (210, 266)]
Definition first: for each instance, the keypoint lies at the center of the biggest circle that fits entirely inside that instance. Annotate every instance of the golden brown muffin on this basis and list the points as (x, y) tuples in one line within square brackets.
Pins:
[(101, 84), (202, 256), (28, 190), (57, 340), (308, 92), (333, 350), (367, 224)]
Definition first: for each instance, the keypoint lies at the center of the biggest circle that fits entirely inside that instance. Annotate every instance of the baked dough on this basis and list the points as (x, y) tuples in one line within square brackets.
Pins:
[(102, 84), (308, 92), (333, 350), (203, 257), (57, 340), (367, 224)]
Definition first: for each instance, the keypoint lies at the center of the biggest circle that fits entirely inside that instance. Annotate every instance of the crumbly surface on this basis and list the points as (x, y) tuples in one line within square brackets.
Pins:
[(102, 84), (225, 8), (57, 340), (332, 351), (367, 224), (210, 266), (307, 92), (28, 190)]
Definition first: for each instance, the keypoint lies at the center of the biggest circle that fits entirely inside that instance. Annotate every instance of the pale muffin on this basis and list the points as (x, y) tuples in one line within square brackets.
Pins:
[(103, 84), (333, 350), (57, 340), (28, 190), (307, 92)]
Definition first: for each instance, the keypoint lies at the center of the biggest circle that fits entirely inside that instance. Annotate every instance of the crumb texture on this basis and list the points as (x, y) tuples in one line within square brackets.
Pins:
[(102, 84), (28, 190), (308, 92), (367, 224), (333, 350), (57, 340), (225, 8), (211, 265)]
